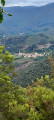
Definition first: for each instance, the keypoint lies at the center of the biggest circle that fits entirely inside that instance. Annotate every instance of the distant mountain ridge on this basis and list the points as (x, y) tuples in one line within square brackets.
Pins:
[(28, 20)]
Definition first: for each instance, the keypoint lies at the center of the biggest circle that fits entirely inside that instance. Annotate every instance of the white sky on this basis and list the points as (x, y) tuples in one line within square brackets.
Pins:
[(27, 2)]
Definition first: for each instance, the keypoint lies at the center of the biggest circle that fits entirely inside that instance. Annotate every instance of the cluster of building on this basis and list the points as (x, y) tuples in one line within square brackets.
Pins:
[(29, 55)]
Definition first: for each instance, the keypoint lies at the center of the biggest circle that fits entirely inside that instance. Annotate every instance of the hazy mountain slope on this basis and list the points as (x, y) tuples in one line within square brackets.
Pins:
[(28, 20)]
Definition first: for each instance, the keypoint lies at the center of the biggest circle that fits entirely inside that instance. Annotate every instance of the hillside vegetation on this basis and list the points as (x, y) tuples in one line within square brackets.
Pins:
[(34, 70)]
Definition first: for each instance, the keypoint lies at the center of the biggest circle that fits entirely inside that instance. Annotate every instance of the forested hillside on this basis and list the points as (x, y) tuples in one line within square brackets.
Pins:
[(32, 72)]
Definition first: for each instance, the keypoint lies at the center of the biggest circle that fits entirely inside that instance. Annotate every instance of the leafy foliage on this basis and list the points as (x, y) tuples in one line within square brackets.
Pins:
[(3, 2), (2, 11)]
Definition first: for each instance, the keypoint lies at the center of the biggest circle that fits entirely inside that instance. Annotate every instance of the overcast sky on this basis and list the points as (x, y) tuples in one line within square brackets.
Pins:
[(27, 2)]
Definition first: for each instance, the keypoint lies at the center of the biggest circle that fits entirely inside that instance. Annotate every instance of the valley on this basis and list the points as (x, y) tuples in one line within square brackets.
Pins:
[(31, 56), (26, 60), (29, 36)]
